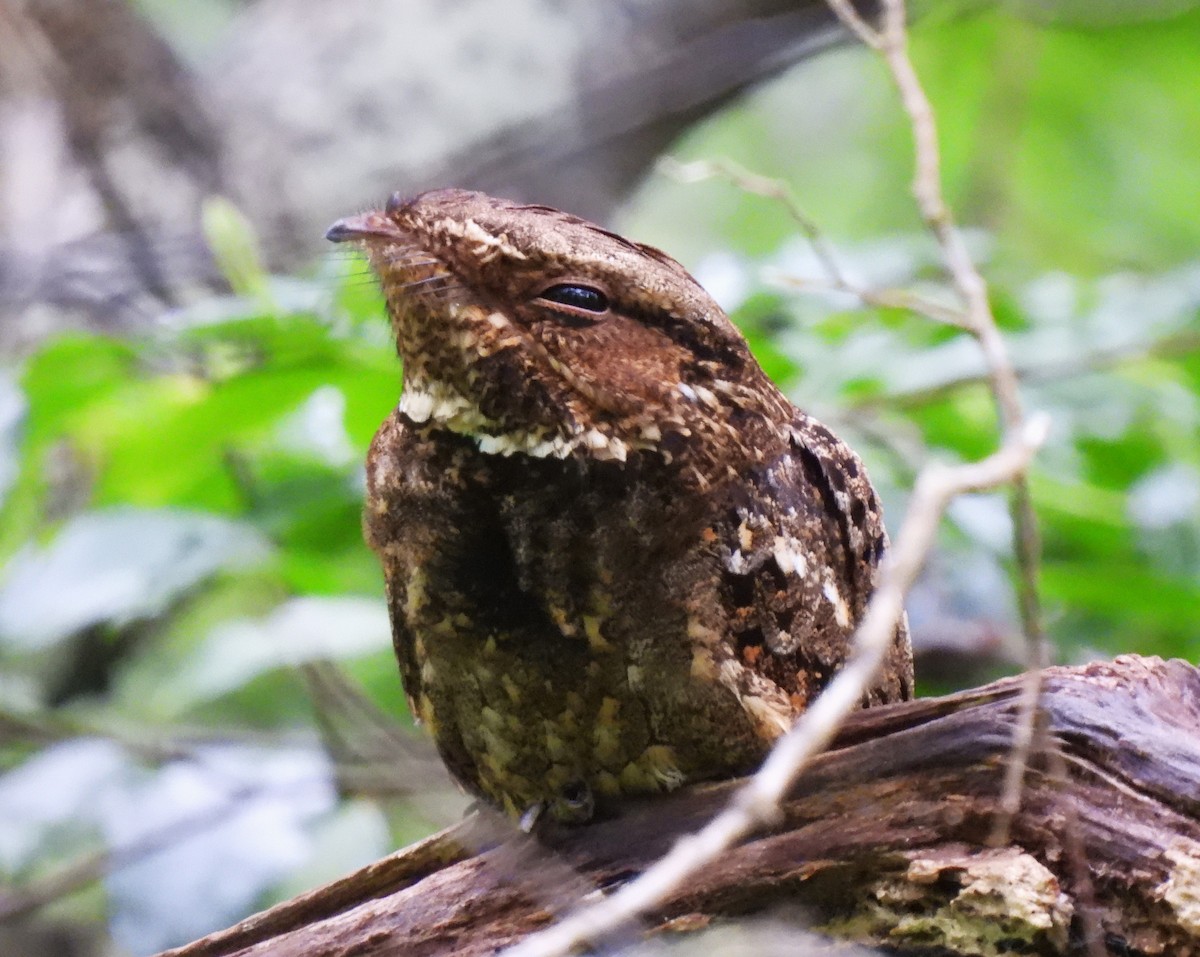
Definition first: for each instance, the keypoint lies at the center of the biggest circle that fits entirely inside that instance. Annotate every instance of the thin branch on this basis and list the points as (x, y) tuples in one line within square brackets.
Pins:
[(769, 188), (757, 803), (879, 298), (776, 189), (972, 289), (856, 24)]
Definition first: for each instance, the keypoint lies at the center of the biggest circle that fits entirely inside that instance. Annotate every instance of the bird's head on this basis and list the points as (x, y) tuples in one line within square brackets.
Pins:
[(537, 333)]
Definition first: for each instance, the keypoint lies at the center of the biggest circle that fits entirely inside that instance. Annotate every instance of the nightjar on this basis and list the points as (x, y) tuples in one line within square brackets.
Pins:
[(617, 558)]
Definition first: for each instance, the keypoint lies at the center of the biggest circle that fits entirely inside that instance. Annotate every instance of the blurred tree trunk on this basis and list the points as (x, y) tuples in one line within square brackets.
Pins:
[(110, 141), (888, 838), (306, 110)]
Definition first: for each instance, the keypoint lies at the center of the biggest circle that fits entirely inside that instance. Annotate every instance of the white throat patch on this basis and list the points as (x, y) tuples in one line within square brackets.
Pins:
[(438, 403)]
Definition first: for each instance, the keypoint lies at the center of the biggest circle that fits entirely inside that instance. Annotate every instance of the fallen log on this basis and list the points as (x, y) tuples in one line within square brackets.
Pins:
[(888, 838)]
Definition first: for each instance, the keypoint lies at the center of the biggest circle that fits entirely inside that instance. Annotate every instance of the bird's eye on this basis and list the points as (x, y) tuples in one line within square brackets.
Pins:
[(576, 297)]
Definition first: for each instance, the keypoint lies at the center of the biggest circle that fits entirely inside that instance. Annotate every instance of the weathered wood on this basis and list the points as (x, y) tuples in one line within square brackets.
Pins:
[(887, 838)]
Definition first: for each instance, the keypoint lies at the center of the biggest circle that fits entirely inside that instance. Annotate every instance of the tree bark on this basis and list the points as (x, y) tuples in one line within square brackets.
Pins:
[(888, 838)]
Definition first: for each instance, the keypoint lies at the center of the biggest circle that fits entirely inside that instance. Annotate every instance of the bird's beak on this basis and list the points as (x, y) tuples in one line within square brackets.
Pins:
[(373, 225)]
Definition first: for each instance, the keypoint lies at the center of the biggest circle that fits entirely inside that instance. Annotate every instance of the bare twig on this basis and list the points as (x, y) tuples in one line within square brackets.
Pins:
[(855, 23), (880, 298), (972, 289), (759, 185), (837, 280), (757, 802)]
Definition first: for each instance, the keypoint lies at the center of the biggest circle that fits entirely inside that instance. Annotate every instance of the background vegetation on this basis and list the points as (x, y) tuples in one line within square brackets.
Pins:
[(179, 528)]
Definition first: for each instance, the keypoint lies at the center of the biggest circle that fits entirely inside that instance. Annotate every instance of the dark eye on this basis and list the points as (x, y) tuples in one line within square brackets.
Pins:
[(575, 296)]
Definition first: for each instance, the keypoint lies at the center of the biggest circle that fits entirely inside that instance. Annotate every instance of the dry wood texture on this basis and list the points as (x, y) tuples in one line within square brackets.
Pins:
[(888, 838)]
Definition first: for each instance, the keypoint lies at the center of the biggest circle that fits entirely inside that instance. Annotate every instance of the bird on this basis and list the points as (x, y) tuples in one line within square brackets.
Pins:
[(617, 558)]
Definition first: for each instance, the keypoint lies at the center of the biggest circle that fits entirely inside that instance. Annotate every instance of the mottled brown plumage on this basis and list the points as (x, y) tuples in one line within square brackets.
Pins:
[(617, 558)]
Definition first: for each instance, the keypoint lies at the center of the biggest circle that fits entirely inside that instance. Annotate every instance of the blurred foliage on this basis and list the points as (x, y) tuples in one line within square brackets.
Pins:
[(1067, 152), (180, 530)]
